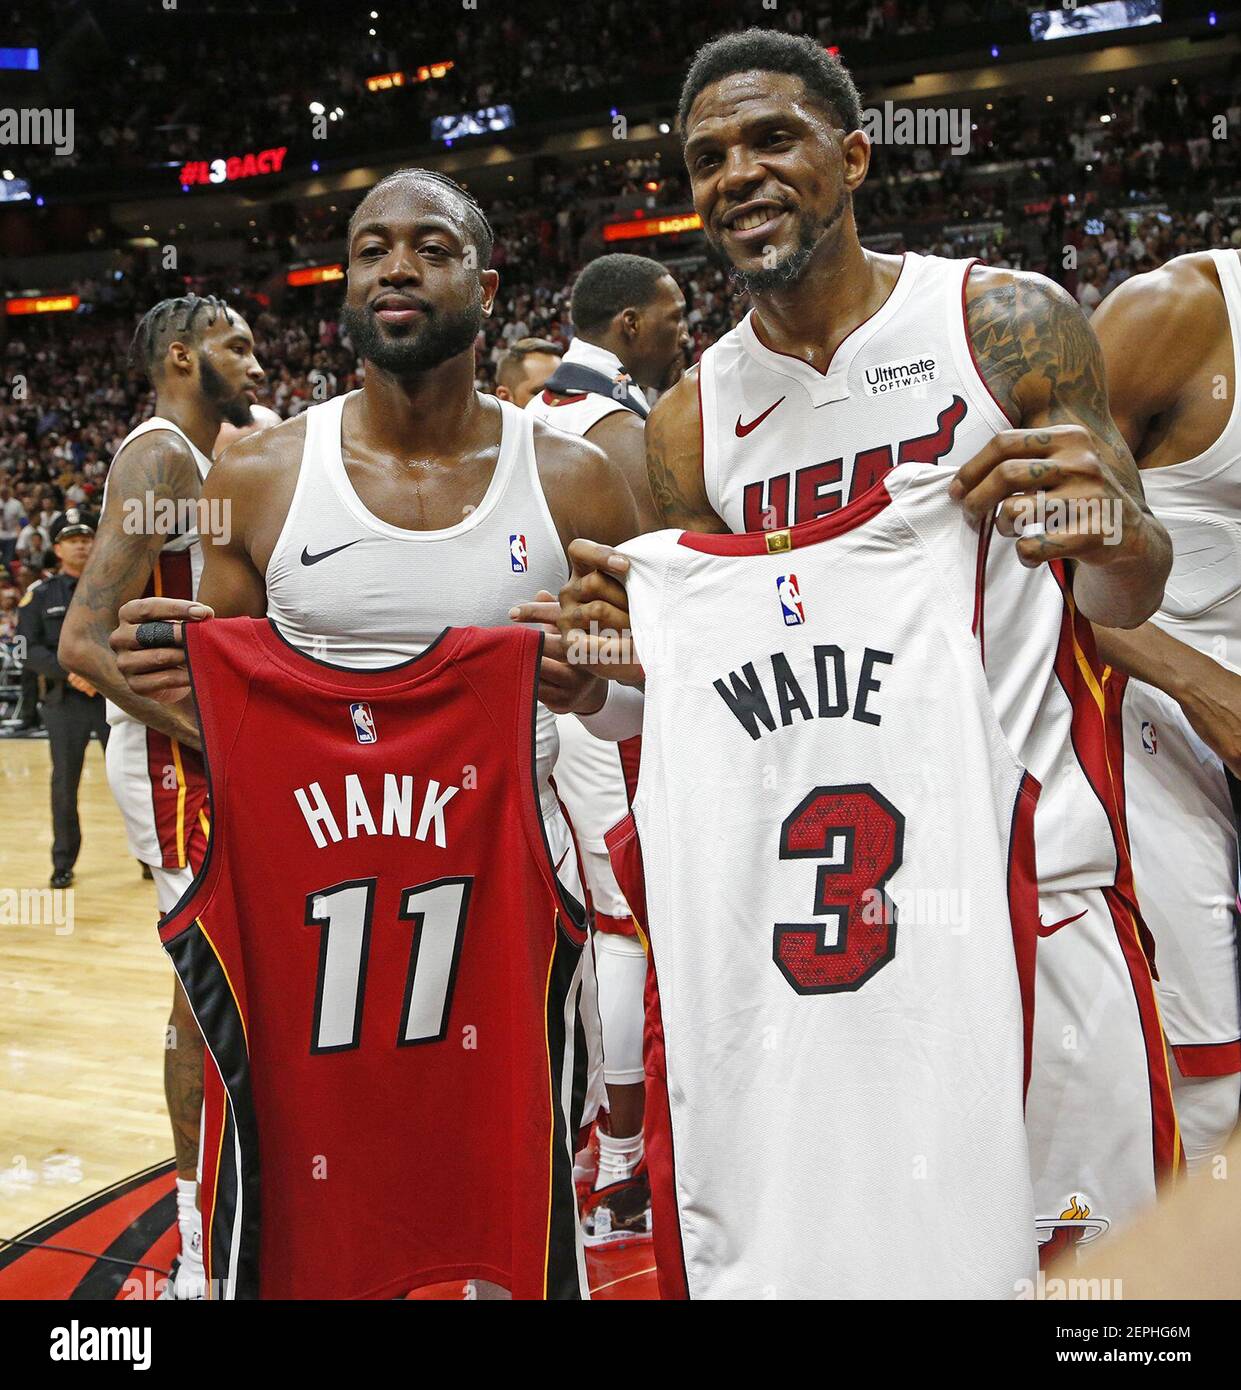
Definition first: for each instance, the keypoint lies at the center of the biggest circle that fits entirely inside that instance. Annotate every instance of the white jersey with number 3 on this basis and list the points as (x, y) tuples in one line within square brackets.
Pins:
[(838, 1019)]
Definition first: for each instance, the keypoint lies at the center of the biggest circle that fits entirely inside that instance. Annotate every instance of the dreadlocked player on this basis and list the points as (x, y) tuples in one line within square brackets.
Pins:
[(199, 357)]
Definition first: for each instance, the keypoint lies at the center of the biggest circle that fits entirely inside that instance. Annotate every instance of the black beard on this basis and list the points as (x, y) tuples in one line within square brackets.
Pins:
[(794, 265), (440, 336), (234, 408)]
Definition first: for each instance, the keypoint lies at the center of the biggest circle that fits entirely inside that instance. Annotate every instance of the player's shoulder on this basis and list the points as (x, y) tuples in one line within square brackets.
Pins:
[(159, 455), (558, 451), (1014, 292), (258, 456), (678, 408), (1174, 295)]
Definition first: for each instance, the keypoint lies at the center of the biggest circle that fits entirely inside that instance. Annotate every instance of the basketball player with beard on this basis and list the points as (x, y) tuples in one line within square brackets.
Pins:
[(366, 525), (849, 363), (199, 356)]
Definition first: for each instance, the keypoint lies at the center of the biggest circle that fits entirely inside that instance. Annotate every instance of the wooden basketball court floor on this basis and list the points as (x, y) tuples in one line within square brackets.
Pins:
[(85, 991)]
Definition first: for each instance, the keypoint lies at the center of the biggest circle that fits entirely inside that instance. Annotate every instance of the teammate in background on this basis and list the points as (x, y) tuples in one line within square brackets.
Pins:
[(629, 336), (367, 524), (849, 363), (628, 329), (199, 356), (1182, 713), (524, 368)]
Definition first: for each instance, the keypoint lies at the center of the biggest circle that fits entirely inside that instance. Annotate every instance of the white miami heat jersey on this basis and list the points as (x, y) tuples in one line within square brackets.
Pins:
[(837, 843), (785, 443)]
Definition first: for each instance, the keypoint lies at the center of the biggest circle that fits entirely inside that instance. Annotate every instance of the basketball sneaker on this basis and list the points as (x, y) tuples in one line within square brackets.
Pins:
[(619, 1212)]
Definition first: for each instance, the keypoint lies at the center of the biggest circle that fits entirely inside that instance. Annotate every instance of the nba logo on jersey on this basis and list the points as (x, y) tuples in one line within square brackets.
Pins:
[(363, 723), (517, 553), (790, 600), (1150, 739)]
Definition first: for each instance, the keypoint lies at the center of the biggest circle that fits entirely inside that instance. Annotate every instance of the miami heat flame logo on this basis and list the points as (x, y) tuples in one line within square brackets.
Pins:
[(1075, 1226)]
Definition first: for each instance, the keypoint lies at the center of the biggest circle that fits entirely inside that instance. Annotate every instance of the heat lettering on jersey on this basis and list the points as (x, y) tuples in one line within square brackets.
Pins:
[(817, 488), (744, 693), (396, 816)]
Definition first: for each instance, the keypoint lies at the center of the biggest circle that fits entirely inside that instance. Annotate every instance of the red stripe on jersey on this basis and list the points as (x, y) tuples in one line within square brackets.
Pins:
[(822, 528), (1023, 906), (550, 398), (625, 853), (630, 750), (1208, 1059), (1097, 742), (980, 586), (969, 342), (616, 926), (1168, 1154), (660, 1158)]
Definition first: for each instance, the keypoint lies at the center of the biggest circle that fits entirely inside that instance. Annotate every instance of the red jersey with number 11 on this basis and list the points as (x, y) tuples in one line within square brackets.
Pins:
[(385, 972)]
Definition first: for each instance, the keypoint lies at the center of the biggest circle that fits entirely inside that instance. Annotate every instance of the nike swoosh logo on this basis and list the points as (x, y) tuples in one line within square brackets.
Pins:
[(309, 559), (1055, 926), (743, 430)]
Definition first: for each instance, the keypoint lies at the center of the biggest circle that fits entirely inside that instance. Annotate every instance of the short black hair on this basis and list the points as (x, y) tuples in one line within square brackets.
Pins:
[(771, 50), (186, 318), (513, 363), (609, 284), (479, 228)]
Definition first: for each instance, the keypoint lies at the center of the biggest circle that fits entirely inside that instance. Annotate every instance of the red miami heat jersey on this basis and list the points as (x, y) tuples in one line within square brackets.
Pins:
[(839, 890), (385, 973)]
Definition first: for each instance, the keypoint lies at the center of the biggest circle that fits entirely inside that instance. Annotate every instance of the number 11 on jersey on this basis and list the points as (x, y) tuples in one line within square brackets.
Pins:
[(343, 913)]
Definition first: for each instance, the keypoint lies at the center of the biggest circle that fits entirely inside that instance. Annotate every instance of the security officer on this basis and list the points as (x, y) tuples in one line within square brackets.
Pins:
[(72, 708)]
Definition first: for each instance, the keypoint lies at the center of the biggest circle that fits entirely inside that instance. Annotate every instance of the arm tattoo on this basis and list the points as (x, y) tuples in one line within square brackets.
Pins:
[(157, 475), (673, 506), (1036, 352)]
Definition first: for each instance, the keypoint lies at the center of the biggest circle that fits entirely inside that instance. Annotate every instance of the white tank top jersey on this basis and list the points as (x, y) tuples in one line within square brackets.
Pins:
[(179, 565), (589, 771), (580, 410), (784, 443), (392, 591), (1199, 501), (840, 1011)]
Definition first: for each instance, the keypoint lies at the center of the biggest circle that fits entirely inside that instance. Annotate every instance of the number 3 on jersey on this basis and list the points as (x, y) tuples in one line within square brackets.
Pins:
[(862, 835), (343, 915)]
